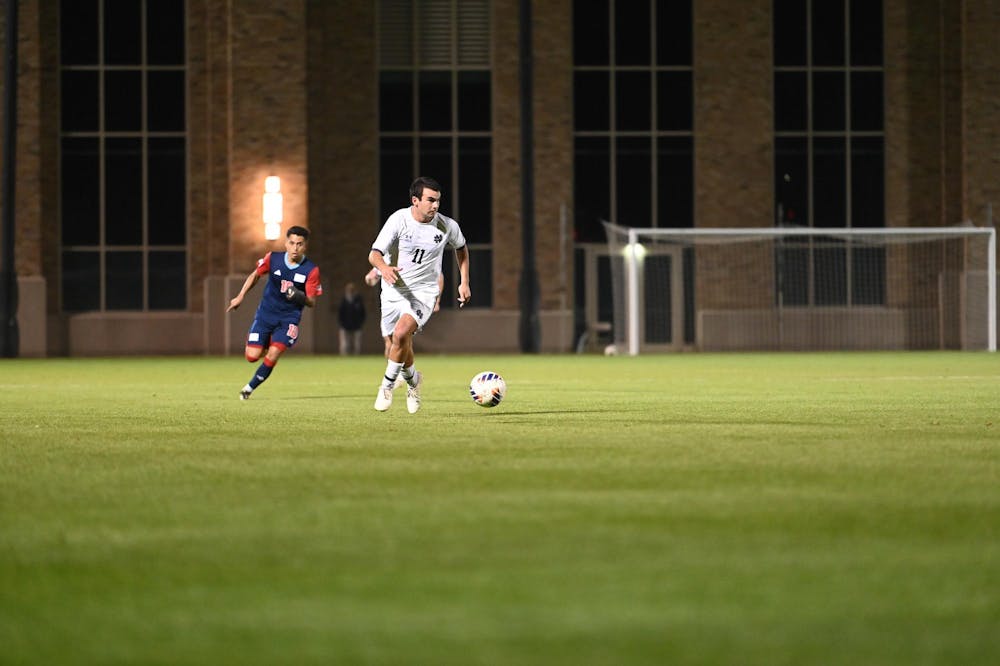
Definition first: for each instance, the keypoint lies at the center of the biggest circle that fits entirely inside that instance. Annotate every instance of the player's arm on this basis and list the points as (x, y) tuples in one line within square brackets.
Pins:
[(247, 286), (377, 261), (437, 301), (464, 292), (306, 297), (372, 277)]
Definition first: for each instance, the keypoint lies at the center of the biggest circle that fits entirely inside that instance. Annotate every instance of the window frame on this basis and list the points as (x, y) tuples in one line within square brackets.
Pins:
[(108, 253)]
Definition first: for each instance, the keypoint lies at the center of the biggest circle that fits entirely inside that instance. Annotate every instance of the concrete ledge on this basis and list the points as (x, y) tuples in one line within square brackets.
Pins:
[(135, 333), (482, 331), (32, 320), (818, 329)]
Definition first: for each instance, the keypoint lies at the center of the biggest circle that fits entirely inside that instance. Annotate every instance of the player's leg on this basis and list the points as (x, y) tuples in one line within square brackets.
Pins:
[(283, 337), (402, 352), (391, 311), (388, 345), (258, 339)]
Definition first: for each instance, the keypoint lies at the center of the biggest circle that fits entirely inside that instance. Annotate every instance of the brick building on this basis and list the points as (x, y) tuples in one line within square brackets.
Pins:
[(145, 135)]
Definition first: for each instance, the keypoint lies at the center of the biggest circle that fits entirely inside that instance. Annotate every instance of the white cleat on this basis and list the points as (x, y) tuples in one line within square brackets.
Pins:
[(245, 392), (413, 393), (383, 400)]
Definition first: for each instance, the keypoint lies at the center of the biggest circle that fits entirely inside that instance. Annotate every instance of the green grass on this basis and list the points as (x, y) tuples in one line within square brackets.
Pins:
[(683, 509)]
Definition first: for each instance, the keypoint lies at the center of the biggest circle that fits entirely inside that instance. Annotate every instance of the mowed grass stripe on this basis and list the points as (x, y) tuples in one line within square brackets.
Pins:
[(711, 509)]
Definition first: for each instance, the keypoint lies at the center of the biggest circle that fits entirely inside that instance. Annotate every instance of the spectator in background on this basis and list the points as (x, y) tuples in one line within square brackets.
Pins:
[(351, 317)]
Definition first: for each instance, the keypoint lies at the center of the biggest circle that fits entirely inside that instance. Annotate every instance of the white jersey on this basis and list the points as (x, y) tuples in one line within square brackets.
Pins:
[(419, 248)]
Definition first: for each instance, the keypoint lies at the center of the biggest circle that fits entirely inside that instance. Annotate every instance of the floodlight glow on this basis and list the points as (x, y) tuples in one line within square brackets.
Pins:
[(273, 205), (638, 250)]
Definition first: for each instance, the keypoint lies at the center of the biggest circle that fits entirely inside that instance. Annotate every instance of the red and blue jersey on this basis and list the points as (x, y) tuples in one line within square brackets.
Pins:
[(280, 275)]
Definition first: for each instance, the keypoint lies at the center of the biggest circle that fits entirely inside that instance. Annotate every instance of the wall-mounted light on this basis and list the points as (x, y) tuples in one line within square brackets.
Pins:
[(273, 215)]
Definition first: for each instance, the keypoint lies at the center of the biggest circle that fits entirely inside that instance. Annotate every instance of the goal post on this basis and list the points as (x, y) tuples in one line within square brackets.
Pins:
[(794, 288)]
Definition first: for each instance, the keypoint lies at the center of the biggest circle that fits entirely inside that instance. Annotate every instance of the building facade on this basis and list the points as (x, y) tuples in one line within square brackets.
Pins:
[(146, 131)]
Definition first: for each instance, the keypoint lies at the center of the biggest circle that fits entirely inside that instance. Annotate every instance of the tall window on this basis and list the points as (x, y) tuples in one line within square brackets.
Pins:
[(434, 118), (632, 109), (123, 155), (829, 146)]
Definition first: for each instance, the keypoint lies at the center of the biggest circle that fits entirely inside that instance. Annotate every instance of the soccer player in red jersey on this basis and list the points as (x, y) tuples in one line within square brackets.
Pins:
[(292, 283)]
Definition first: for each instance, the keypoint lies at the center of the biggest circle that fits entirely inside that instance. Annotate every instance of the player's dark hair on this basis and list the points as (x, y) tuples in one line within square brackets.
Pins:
[(418, 185), (298, 231)]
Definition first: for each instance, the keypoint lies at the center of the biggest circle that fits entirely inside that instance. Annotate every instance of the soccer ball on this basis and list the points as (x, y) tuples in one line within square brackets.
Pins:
[(487, 389)]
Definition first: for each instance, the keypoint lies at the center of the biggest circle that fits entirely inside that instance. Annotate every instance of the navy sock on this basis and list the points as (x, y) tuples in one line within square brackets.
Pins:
[(263, 372)]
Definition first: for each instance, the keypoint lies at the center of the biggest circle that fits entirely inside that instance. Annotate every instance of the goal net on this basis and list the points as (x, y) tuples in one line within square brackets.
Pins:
[(803, 288)]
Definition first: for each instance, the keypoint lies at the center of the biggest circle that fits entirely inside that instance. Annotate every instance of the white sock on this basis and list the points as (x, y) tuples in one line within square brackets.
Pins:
[(391, 372), (408, 374)]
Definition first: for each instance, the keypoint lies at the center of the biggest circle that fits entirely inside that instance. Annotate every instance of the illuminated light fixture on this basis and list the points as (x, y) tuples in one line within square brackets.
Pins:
[(273, 215), (637, 251)]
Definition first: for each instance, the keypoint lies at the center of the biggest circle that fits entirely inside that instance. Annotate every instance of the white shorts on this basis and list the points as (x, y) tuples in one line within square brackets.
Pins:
[(395, 305)]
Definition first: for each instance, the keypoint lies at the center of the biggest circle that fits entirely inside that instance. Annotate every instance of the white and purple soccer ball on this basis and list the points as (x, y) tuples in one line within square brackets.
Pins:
[(487, 389)]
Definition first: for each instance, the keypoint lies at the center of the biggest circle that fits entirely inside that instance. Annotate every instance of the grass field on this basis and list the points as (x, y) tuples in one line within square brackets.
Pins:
[(683, 509)]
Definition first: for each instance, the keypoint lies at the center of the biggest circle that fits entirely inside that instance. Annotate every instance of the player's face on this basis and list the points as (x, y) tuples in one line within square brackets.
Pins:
[(295, 246), (426, 207)]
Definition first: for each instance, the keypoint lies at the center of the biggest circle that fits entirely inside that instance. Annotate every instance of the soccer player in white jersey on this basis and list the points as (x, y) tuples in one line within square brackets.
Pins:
[(420, 235)]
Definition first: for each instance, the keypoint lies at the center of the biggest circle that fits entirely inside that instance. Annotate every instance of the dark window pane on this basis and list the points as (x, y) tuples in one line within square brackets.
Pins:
[(80, 184), (657, 294), (866, 101), (866, 32), (590, 32), (829, 182), (435, 101), (166, 207), (80, 102), (675, 189), (591, 195), (867, 182), (605, 297), (673, 32), (828, 101), (634, 168), (166, 101), (579, 293), (480, 279), (792, 272), (790, 102), (674, 101), (78, 32), (81, 281), (475, 199), (167, 280), (123, 97), (789, 33), (435, 161), (828, 32), (632, 33), (165, 32), (689, 304), (123, 281), (632, 100), (474, 101), (831, 273), (590, 101), (395, 101), (395, 176), (123, 192), (868, 276), (122, 32), (791, 181)]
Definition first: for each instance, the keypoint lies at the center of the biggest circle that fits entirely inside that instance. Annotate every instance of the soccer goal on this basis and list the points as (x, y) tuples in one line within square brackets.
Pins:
[(803, 288)]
